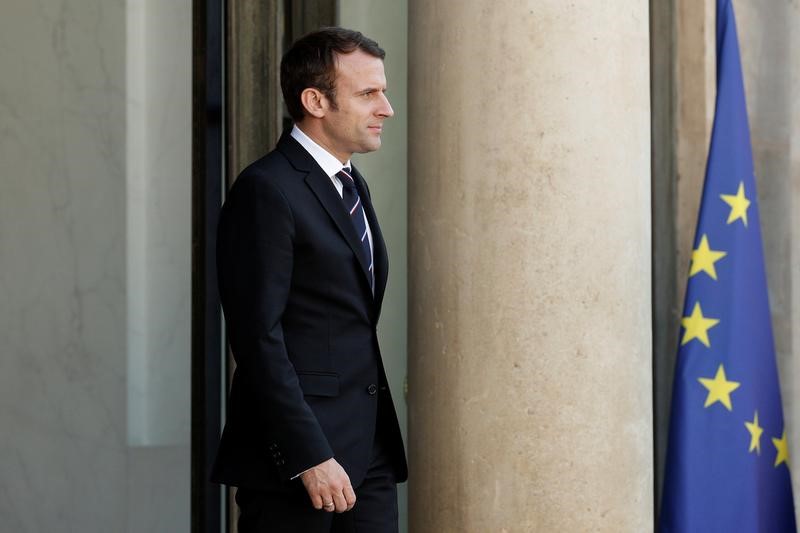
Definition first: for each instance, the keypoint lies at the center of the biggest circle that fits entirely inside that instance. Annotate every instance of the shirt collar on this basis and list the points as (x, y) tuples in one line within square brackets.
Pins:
[(329, 164)]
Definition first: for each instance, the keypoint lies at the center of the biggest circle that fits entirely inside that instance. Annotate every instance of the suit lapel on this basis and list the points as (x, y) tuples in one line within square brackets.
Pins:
[(379, 253), (330, 200), (323, 189)]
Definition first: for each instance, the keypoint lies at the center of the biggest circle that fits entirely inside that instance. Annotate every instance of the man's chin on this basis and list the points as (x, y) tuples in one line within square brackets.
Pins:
[(369, 147)]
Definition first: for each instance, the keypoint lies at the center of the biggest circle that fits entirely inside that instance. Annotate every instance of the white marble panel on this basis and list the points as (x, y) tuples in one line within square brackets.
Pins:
[(158, 237), (156, 503), (62, 325), (65, 462)]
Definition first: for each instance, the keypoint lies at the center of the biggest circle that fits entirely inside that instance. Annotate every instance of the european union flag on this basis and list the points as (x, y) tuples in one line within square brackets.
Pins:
[(727, 460)]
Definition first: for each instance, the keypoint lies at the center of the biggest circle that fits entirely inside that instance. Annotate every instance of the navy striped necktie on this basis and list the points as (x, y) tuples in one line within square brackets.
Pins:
[(353, 204)]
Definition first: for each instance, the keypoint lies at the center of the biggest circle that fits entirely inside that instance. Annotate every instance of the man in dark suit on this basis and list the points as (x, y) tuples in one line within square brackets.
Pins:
[(311, 426)]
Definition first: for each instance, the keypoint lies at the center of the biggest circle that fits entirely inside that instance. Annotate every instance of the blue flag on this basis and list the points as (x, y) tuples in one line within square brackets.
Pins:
[(727, 464)]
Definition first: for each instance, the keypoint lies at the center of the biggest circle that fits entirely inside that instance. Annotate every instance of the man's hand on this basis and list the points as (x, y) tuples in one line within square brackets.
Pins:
[(328, 486)]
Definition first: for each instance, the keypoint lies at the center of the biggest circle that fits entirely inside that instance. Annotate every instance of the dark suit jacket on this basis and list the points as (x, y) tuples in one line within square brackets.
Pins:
[(301, 320)]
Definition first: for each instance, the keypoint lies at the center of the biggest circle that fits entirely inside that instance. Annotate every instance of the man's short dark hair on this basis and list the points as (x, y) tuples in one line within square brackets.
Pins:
[(311, 63)]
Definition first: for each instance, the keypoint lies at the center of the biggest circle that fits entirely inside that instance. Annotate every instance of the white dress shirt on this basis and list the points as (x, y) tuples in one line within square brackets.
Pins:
[(330, 166)]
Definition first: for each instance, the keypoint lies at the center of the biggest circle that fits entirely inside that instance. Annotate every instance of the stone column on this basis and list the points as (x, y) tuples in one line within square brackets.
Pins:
[(529, 266)]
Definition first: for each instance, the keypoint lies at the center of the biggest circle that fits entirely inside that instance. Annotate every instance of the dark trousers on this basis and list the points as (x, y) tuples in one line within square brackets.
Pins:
[(289, 510)]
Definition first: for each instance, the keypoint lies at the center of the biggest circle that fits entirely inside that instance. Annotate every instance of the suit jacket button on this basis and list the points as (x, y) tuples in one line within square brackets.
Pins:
[(372, 389)]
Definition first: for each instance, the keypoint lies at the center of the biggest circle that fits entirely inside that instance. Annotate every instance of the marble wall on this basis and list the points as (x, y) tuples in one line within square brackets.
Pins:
[(158, 220), (386, 170), (66, 462), (772, 85), (772, 82)]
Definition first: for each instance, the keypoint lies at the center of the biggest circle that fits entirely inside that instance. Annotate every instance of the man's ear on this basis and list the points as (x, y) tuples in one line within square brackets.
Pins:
[(314, 102)]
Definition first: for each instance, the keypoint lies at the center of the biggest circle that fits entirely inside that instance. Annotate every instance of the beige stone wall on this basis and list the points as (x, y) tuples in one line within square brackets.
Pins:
[(529, 267), (695, 93), (684, 40)]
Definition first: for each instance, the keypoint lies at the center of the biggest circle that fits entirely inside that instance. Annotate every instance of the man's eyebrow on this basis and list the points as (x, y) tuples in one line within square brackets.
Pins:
[(371, 90)]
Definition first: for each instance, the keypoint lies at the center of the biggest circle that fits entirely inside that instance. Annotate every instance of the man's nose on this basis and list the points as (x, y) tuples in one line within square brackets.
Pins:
[(385, 109)]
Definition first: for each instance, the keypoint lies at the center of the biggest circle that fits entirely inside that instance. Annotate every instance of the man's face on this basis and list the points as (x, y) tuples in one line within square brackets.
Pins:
[(355, 125)]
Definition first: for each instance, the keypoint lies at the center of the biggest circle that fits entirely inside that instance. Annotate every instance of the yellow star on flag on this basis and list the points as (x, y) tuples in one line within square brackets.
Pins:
[(755, 434), (703, 259), (697, 326), (739, 204), (719, 389), (783, 449)]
